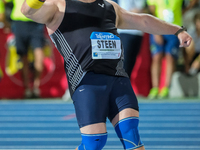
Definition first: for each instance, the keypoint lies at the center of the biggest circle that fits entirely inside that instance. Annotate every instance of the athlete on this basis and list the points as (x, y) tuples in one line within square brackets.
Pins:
[(2, 16), (85, 33)]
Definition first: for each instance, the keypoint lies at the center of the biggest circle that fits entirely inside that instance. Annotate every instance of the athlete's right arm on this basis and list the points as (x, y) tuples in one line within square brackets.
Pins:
[(40, 11)]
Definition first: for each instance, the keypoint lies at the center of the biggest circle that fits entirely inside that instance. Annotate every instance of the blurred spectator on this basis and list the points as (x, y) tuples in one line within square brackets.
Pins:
[(166, 45), (131, 39), (1, 73), (2, 11), (189, 14), (4, 23), (2, 18), (190, 4), (28, 34), (193, 51)]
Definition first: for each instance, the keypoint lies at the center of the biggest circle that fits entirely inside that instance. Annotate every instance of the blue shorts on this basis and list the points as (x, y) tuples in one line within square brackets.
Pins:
[(170, 46), (100, 96)]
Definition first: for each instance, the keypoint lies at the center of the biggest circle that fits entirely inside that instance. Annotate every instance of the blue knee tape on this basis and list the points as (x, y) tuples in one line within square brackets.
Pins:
[(127, 131), (93, 141)]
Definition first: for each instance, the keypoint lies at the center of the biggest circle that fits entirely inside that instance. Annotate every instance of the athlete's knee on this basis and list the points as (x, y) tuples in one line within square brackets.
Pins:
[(127, 131), (93, 141)]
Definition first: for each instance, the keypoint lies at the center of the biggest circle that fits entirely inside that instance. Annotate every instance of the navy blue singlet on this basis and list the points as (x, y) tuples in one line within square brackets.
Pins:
[(72, 40)]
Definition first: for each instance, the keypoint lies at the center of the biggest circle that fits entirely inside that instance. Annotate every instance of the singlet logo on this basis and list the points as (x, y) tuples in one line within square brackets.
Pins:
[(102, 5)]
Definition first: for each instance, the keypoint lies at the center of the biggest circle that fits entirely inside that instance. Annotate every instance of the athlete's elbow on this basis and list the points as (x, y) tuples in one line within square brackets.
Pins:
[(146, 22), (26, 11)]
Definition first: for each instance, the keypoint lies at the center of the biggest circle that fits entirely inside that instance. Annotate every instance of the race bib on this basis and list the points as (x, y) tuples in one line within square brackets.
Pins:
[(105, 45)]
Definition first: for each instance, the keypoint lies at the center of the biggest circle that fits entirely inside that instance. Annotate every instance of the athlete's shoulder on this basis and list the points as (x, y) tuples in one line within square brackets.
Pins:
[(112, 2), (57, 10), (120, 12), (115, 5)]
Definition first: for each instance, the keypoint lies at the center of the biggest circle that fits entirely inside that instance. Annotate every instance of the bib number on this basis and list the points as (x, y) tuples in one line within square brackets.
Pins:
[(105, 45)]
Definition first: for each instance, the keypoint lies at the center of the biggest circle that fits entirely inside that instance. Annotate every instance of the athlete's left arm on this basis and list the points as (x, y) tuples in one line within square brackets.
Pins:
[(149, 24)]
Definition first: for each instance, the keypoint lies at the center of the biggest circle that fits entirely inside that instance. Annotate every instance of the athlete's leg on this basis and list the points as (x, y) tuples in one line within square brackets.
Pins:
[(128, 112), (131, 125), (94, 128), (124, 114), (91, 101), (94, 137)]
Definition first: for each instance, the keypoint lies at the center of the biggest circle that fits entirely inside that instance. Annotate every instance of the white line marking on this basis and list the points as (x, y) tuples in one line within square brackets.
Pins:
[(110, 132), (71, 124), (109, 139), (164, 118), (57, 147), (28, 113)]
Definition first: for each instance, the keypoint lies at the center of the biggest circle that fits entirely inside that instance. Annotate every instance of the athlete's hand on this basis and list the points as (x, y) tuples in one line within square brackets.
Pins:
[(185, 39)]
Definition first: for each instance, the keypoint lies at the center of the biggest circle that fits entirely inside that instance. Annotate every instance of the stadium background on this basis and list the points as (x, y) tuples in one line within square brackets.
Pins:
[(54, 82)]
